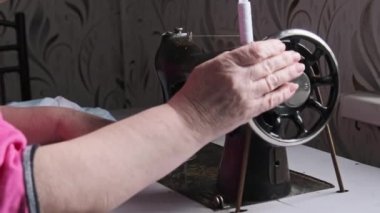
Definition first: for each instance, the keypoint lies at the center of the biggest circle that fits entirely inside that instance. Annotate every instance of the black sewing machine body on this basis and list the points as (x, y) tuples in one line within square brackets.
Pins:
[(268, 175), (176, 57)]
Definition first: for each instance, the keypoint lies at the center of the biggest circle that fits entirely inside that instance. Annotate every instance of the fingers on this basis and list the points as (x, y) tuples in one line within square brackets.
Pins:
[(275, 98), (274, 80), (255, 52), (272, 64)]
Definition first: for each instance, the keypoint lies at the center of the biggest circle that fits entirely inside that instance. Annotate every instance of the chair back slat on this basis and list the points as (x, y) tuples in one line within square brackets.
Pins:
[(22, 68)]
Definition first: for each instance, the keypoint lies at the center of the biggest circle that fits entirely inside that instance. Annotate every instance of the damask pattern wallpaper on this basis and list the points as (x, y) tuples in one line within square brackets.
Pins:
[(101, 52), (350, 27), (74, 49)]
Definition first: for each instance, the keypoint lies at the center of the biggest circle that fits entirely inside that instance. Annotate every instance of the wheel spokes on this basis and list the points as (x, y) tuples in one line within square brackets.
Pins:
[(288, 125), (293, 45), (277, 125), (318, 53), (314, 57), (320, 81), (298, 121), (317, 106)]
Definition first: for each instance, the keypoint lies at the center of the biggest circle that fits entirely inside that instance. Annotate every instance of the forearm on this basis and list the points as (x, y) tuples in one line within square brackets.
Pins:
[(38, 124), (104, 168), (114, 163), (44, 125)]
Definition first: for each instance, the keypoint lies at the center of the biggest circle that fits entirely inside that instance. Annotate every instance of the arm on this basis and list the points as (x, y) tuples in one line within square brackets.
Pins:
[(110, 165), (93, 174), (43, 125)]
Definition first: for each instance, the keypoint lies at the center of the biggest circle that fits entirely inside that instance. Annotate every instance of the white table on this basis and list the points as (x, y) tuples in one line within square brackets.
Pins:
[(362, 181)]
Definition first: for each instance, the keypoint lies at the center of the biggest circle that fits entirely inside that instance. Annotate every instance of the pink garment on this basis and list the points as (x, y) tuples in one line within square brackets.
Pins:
[(12, 189)]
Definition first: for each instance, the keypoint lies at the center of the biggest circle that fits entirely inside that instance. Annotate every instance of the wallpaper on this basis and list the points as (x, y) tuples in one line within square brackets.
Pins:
[(74, 49), (350, 27), (101, 52)]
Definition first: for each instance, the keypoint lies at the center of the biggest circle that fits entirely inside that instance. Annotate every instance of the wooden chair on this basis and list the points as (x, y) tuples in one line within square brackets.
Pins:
[(22, 66)]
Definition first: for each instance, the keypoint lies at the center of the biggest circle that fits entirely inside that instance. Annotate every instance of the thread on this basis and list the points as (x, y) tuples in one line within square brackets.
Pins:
[(245, 22)]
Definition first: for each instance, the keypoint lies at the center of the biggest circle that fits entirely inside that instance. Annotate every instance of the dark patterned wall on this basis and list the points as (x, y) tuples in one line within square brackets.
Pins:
[(74, 49), (101, 52), (352, 30), (145, 21), (350, 27)]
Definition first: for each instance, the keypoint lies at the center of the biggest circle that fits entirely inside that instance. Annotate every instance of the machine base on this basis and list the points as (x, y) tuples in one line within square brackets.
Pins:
[(197, 179)]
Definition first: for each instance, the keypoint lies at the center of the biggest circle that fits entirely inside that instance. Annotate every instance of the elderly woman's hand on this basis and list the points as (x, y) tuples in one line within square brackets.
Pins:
[(100, 170), (236, 86)]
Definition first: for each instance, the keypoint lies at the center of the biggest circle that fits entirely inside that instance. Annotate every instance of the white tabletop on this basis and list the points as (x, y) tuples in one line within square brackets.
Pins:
[(362, 181)]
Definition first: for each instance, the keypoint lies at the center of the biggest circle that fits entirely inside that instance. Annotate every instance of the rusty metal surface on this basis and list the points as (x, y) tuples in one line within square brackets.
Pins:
[(197, 179)]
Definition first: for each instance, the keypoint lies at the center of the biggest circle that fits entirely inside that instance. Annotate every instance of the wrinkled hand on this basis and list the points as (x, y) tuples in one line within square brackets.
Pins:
[(225, 92)]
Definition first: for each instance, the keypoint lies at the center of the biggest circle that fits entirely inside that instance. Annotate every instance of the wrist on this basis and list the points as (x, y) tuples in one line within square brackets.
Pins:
[(193, 118)]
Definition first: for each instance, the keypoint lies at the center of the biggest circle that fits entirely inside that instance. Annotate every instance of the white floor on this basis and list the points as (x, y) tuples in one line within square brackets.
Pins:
[(362, 181)]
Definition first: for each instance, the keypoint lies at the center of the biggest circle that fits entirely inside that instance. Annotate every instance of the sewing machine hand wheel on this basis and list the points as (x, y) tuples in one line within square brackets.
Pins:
[(287, 124), (273, 126)]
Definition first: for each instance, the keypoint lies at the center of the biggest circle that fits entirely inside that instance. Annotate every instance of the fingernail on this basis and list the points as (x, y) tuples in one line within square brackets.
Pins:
[(296, 56), (293, 87), (300, 67), (281, 45)]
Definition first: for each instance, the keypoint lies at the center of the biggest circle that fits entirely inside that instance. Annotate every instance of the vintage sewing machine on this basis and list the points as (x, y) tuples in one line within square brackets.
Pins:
[(253, 165)]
